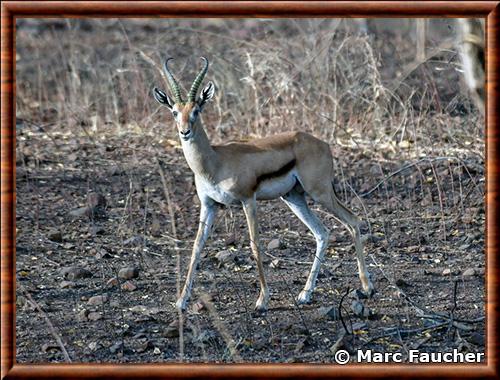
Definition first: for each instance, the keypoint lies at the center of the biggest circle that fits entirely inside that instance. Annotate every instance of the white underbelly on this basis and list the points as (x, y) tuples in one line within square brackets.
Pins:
[(271, 188), (276, 187)]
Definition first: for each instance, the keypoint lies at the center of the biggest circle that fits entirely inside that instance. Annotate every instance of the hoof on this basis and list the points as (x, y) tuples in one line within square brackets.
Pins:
[(304, 298), (260, 308), (369, 291), (181, 304), (261, 304)]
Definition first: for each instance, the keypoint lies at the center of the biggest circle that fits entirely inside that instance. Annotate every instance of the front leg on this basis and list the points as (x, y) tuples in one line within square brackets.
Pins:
[(250, 209), (207, 214)]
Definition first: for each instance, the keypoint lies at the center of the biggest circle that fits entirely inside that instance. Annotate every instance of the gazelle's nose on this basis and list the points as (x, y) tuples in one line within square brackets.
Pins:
[(185, 133)]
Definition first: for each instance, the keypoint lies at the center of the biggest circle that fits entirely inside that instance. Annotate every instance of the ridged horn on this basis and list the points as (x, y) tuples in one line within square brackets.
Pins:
[(174, 86), (197, 81)]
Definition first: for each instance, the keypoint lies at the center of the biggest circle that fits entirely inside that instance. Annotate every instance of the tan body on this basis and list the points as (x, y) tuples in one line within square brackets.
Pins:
[(287, 166), (269, 167)]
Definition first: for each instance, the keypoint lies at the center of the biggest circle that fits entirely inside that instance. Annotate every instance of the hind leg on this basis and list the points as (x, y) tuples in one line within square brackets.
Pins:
[(298, 205), (330, 201)]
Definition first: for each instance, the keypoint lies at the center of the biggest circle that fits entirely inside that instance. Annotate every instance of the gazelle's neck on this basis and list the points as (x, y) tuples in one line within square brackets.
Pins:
[(199, 154)]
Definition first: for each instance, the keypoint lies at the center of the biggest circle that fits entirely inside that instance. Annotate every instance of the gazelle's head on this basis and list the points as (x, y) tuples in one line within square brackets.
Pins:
[(186, 112)]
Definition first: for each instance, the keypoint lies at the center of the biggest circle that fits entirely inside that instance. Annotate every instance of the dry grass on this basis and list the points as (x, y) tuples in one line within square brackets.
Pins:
[(271, 76)]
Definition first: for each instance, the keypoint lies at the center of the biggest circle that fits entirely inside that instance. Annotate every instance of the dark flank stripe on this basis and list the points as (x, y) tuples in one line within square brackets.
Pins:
[(278, 173)]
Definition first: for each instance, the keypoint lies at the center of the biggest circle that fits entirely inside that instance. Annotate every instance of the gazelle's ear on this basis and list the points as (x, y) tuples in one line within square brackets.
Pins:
[(162, 98), (206, 94)]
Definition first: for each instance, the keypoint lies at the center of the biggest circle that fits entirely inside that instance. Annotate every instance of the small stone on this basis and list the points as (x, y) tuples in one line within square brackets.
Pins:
[(469, 272), (95, 200), (112, 282), (128, 272), (116, 347), (276, 263), (231, 241), (134, 240), (274, 244), (360, 310), (82, 315), (55, 235), (330, 312), (96, 230), (172, 330), (225, 256), (402, 283), (74, 273), (129, 286), (446, 272), (97, 300), (94, 316), (358, 326), (79, 212), (102, 254), (477, 339), (67, 284), (50, 347)]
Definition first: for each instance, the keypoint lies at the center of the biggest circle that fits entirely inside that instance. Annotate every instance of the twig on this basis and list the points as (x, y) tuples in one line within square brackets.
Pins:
[(231, 345), (340, 311), (397, 331), (49, 324)]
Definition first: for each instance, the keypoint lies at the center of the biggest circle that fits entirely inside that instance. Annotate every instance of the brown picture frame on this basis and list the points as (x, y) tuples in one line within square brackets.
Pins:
[(10, 10)]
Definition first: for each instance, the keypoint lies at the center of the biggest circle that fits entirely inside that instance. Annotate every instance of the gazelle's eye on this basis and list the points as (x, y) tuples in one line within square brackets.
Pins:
[(194, 114), (175, 113)]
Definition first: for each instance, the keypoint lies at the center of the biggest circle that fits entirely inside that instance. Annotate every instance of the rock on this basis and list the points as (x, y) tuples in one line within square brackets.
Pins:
[(143, 345), (358, 326), (129, 286), (55, 236), (96, 230), (79, 212), (402, 283), (172, 330), (360, 310), (67, 284), (469, 272), (225, 256), (97, 300), (95, 203), (50, 347), (446, 272), (477, 339), (94, 316), (230, 241), (112, 282), (275, 244), (128, 272), (116, 347), (276, 264), (95, 200), (134, 240), (75, 273), (82, 315), (102, 254), (330, 312)]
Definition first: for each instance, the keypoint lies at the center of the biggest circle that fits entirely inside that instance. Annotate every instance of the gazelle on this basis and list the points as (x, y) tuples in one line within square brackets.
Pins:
[(286, 166)]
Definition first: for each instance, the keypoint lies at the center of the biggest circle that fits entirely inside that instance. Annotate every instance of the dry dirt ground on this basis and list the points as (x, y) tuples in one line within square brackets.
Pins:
[(90, 205)]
